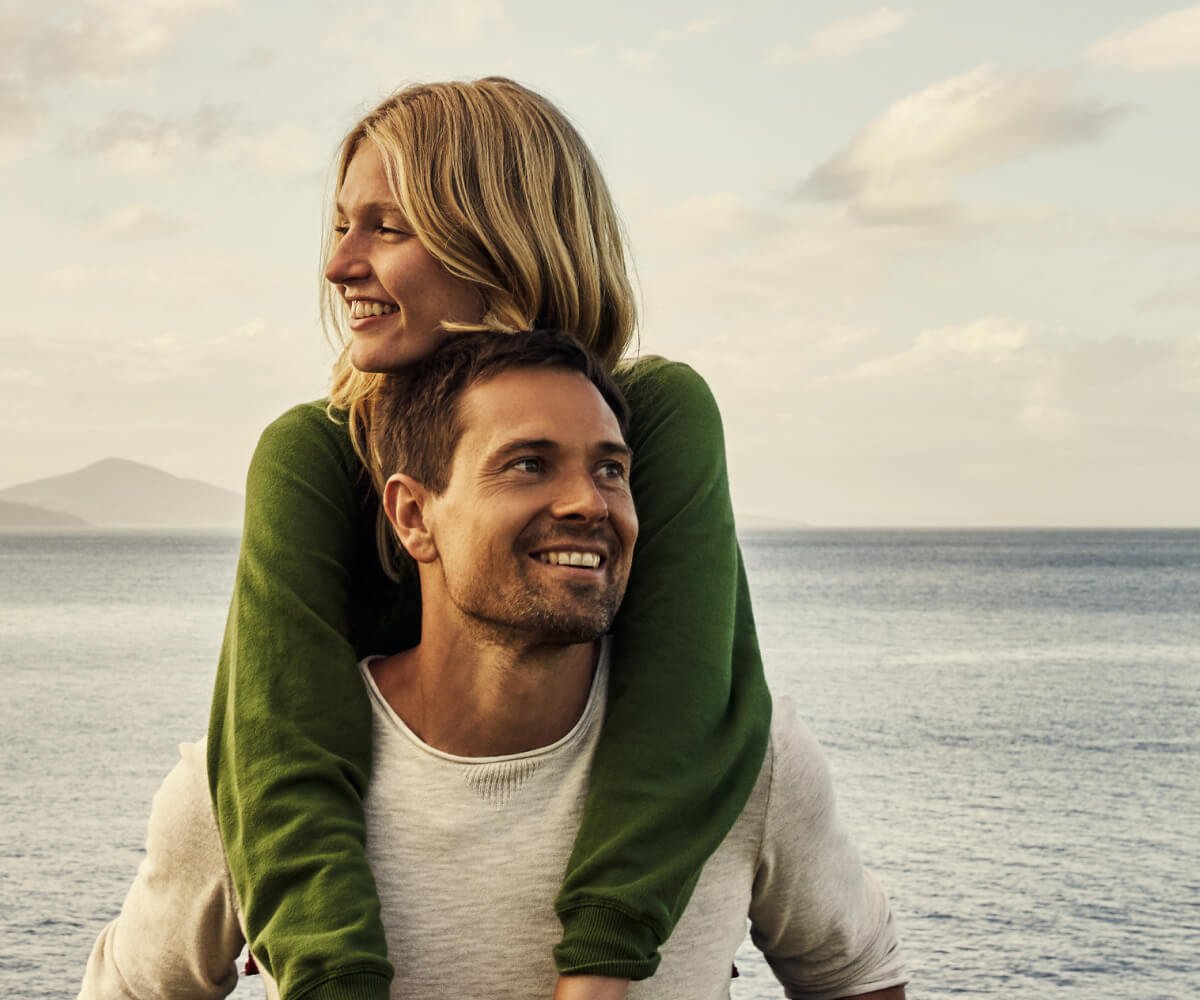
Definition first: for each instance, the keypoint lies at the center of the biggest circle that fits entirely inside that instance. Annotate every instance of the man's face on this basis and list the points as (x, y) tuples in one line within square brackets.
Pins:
[(535, 530)]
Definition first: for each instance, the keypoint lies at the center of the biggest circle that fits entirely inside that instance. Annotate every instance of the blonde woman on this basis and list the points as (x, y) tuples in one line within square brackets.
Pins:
[(475, 206)]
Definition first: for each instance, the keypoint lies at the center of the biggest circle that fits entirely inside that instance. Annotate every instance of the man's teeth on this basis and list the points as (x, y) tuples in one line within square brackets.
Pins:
[(361, 309), (589, 559)]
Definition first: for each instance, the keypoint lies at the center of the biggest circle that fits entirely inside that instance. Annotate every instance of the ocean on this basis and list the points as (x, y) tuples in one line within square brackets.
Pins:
[(1012, 719)]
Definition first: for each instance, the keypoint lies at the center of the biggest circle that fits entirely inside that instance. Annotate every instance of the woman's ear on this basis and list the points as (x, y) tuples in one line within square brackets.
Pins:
[(404, 504)]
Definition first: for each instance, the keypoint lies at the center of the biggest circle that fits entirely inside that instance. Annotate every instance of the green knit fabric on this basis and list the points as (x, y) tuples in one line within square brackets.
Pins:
[(289, 739)]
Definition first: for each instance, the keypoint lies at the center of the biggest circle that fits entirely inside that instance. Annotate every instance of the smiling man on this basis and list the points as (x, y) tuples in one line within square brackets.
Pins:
[(512, 497)]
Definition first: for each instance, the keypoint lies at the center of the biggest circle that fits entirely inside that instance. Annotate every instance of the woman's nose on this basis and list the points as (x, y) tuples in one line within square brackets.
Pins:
[(347, 263)]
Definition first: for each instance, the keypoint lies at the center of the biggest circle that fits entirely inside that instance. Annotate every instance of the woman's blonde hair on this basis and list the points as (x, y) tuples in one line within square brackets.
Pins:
[(499, 186)]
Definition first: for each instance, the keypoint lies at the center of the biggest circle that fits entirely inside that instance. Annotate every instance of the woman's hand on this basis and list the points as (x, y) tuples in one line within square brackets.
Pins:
[(590, 988)]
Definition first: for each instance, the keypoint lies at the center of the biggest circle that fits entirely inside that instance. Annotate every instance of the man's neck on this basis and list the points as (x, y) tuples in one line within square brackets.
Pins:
[(472, 695)]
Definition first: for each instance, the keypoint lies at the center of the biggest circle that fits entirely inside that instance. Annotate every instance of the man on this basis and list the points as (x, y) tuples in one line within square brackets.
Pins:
[(514, 502)]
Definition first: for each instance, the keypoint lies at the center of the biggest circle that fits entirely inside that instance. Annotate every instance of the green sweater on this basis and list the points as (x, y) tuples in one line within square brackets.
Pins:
[(289, 739)]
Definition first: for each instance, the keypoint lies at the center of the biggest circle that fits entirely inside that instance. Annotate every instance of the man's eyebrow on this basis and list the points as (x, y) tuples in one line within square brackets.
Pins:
[(549, 444), (523, 444), (615, 448)]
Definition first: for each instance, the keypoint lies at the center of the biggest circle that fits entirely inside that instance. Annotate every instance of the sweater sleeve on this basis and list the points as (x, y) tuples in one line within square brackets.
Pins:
[(689, 711), (178, 934), (289, 743), (819, 917)]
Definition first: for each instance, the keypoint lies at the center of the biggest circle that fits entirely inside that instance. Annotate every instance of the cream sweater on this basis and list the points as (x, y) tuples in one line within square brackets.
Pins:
[(468, 854)]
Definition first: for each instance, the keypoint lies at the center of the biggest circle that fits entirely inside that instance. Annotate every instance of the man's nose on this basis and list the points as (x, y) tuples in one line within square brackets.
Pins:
[(580, 499)]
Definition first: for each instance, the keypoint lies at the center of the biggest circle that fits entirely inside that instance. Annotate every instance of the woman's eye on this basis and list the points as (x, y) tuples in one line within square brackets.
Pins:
[(341, 229)]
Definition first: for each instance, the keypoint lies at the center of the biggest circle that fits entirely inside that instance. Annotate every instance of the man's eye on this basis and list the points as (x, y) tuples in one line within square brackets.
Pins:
[(527, 465), (613, 470)]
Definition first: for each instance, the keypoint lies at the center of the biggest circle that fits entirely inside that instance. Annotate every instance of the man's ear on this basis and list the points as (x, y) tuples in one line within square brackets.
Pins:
[(404, 502)]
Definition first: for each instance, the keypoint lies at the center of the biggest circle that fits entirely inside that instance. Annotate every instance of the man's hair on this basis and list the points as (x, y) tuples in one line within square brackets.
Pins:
[(416, 423)]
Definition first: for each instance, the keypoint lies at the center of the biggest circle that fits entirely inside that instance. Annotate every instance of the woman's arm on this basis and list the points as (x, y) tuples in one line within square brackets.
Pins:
[(689, 711), (289, 743)]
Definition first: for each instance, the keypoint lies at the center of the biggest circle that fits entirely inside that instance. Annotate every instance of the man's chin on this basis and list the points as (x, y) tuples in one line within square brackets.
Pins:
[(568, 630)]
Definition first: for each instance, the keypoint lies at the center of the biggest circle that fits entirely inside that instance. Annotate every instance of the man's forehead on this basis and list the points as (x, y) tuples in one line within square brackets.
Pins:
[(548, 404)]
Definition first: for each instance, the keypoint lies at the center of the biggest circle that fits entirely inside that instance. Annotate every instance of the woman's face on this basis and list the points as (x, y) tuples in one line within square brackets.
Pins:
[(397, 294)]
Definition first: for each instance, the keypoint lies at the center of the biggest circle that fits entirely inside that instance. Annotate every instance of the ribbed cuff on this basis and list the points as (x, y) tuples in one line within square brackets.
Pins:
[(600, 940), (352, 986)]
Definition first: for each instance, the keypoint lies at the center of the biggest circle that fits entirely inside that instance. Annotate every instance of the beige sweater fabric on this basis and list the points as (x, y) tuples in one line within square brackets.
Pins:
[(468, 854)]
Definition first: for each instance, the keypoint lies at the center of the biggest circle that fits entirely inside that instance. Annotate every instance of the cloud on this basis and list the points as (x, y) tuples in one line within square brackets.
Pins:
[(901, 168), (140, 222), (699, 26), (842, 38), (1178, 227), (1175, 295), (1168, 42), (136, 142), (278, 151), (988, 341), (999, 384), (258, 57), (21, 377), (454, 24), (50, 46), (638, 57)]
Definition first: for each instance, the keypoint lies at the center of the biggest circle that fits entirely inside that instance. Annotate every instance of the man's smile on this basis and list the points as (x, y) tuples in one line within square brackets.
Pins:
[(570, 557)]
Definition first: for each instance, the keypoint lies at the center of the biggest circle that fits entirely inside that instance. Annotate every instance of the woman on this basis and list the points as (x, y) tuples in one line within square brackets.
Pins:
[(475, 206)]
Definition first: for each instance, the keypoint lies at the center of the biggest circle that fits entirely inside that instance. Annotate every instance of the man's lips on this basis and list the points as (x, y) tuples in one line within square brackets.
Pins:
[(575, 558)]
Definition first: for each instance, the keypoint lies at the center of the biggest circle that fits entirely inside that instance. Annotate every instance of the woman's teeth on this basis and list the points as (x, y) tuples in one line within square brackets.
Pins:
[(361, 309), (591, 560)]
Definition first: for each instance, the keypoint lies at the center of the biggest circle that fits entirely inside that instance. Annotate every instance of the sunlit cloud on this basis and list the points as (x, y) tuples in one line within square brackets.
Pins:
[(259, 57), (21, 376), (135, 142), (902, 167), (278, 151), (1179, 227), (841, 39), (987, 341), (1175, 295), (453, 24), (699, 26), (1168, 42), (49, 46), (140, 222), (638, 57)]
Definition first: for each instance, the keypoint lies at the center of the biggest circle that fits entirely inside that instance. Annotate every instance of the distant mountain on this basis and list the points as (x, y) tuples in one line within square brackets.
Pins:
[(23, 515), (115, 492)]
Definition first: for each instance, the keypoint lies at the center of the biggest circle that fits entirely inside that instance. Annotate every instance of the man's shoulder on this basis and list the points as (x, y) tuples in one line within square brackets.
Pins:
[(183, 804), (794, 780), (793, 752)]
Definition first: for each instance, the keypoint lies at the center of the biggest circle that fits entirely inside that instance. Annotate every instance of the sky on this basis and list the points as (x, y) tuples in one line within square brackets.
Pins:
[(939, 261)]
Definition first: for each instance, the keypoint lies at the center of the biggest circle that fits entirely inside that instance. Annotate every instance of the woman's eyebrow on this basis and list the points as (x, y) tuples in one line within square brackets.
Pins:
[(371, 207)]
